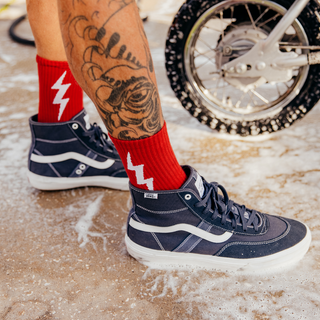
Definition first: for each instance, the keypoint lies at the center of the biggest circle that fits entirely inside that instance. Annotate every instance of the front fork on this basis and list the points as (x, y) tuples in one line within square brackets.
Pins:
[(266, 57)]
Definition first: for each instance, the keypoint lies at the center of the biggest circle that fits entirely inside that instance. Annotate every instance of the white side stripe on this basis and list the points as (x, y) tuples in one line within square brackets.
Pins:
[(182, 227), (75, 156)]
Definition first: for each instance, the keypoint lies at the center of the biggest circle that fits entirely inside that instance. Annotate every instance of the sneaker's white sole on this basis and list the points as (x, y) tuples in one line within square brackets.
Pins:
[(50, 183), (170, 260)]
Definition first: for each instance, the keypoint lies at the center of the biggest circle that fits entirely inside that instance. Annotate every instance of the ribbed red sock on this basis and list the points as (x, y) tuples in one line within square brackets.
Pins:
[(150, 163), (60, 96)]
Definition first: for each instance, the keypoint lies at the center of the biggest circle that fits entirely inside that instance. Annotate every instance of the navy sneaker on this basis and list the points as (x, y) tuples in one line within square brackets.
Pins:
[(73, 154), (197, 226)]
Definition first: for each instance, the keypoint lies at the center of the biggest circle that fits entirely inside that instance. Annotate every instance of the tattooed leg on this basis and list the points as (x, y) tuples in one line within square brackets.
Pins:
[(109, 55)]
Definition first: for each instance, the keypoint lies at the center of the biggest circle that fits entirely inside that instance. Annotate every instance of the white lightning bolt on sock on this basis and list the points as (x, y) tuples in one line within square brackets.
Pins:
[(59, 96), (139, 173)]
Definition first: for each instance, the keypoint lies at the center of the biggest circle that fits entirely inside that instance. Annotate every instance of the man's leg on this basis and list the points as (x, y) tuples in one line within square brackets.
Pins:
[(66, 151), (109, 55), (190, 223), (60, 97)]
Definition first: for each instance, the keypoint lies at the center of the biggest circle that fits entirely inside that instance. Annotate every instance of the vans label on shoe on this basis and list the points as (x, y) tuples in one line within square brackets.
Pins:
[(151, 196)]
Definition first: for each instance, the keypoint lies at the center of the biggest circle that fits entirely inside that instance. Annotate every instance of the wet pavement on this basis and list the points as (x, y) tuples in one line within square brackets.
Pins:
[(62, 254)]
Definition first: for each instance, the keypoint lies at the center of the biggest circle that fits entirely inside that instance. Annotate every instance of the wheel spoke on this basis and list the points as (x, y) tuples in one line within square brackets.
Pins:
[(211, 88), (232, 12), (212, 28), (252, 98), (209, 79), (237, 105), (260, 96), (288, 87), (204, 64), (218, 82), (215, 72), (204, 53), (222, 27), (289, 40), (208, 60), (278, 89), (215, 89), (250, 16), (265, 22), (261, 15), (200, 39)]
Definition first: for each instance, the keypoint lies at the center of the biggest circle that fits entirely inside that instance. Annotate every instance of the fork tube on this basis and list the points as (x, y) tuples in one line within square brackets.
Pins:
[(286, 21)]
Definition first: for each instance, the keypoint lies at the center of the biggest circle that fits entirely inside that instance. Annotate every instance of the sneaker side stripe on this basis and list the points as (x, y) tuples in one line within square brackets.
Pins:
[(182, 227), (49, 164), (56, 141), (75, 156), (192, 241)]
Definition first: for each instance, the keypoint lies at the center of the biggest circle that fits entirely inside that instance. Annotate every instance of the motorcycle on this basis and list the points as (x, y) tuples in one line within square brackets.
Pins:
[(246, 67)]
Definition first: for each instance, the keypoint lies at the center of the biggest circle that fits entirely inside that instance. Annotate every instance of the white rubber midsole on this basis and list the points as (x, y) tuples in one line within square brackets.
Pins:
[(51, 183), (167, 260)]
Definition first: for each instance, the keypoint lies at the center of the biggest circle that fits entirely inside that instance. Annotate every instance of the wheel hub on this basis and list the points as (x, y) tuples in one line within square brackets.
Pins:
[(236, 43)]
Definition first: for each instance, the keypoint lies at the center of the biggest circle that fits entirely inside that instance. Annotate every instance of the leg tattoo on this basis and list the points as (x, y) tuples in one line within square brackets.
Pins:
[(116, 68)]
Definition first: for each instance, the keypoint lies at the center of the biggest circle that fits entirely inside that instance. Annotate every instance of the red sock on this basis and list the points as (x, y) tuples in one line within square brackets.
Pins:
[(60, 96), (150, 163)]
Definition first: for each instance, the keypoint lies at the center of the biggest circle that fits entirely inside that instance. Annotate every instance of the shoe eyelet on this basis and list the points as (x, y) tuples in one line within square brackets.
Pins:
[(82, 166), (75, 126), (78, 171), (187, 196)]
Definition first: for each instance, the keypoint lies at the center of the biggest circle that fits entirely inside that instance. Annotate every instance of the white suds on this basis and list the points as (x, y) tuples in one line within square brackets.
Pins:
[(85, 223)]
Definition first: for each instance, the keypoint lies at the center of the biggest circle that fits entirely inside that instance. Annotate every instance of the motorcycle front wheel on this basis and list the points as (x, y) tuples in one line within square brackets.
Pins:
[(207, 34)]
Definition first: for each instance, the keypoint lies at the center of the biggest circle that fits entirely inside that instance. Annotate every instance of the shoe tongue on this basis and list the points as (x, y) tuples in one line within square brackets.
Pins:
[(83, 118), (194, 181)]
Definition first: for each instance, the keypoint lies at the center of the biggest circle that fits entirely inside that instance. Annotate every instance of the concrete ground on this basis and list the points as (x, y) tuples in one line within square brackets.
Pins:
[(62, 254)]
